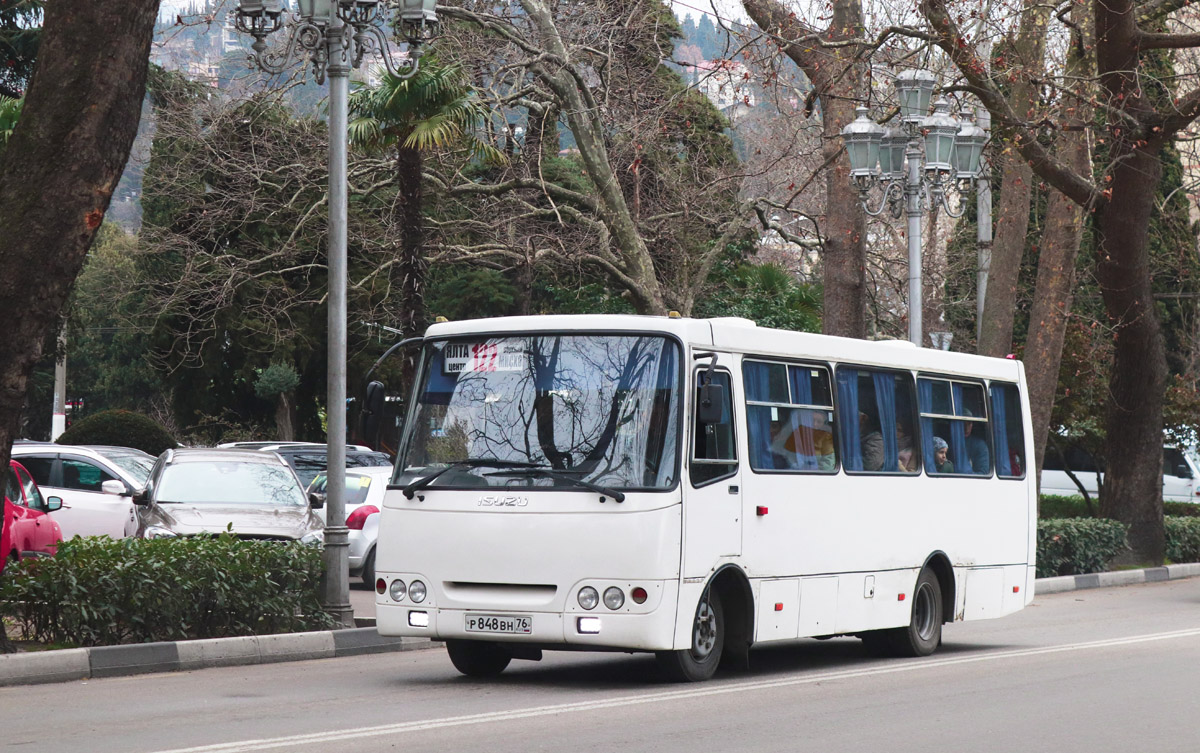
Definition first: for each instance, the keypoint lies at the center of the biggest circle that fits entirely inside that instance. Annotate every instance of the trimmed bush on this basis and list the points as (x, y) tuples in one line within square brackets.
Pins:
[(122, 428), (1181, 509), (99, 591), (1052, 506), (1183, 538), (1069, 546)]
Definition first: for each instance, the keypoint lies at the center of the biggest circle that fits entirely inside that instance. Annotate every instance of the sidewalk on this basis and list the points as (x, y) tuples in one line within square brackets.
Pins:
[(65, 665)]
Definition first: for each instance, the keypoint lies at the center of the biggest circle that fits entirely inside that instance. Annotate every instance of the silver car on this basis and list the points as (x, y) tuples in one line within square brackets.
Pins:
[(256, 495)]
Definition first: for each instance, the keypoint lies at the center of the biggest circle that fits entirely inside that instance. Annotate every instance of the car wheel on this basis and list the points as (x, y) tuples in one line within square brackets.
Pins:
[(368, 569), (476, 658)]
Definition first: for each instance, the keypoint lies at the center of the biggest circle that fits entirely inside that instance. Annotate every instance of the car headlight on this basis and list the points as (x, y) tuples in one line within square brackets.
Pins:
[(313, 537), (416, 591), (158, 532)]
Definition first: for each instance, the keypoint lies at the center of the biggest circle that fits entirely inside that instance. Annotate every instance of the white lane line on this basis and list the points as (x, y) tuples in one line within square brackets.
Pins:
[(246, 746)]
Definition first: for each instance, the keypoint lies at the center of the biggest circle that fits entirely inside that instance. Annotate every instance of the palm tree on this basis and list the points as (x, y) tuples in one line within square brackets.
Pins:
[(10, 112), (436, 108)]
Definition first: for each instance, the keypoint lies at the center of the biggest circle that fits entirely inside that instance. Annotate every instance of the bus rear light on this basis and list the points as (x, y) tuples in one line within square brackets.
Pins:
[(380, 586), (418, 619), (588, 625), (638, 595), (358, 518)]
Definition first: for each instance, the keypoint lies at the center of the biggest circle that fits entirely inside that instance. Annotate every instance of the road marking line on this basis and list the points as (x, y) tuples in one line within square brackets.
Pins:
[(246, 746)]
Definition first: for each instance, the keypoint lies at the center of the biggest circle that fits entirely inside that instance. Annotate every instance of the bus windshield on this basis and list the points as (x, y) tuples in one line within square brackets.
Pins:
[(602, 409)]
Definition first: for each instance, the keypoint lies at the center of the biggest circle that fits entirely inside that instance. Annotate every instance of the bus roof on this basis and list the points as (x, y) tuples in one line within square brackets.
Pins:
[(738, 335)]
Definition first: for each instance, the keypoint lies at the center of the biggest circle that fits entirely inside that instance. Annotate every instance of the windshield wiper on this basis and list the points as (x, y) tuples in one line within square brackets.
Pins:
[(425, 481), (568, 476)]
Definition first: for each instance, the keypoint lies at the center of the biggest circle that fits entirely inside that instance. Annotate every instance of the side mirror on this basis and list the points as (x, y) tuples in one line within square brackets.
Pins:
[(141, 498), (115, 486), (316, 500), (371, 416), (1182, 471), (53, 503), (710, 404)]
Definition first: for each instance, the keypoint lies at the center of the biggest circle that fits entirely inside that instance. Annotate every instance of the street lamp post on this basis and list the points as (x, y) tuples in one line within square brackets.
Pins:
[(915, 166), (335, 35)]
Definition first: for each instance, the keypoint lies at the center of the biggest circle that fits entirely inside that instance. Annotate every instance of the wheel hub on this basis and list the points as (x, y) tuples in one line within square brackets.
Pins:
[(704, 632)]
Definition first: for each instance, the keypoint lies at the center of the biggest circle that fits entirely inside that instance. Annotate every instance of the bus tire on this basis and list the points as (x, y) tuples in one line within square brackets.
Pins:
[(924, 632), (476, 658), (700, 661)]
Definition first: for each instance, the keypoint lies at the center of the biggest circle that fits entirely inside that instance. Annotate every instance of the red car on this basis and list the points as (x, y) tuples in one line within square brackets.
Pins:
[(27, 531)]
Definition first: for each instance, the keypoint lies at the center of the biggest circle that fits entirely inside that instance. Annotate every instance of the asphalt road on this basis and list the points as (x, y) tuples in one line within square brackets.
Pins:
[(1089, 671)]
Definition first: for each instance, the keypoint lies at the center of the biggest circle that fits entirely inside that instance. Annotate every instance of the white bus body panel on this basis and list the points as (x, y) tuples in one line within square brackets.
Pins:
[(832, 554)]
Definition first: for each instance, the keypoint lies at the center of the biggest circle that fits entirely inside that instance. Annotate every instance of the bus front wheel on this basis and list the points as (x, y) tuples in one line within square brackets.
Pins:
[(700, 661), (476, 658)]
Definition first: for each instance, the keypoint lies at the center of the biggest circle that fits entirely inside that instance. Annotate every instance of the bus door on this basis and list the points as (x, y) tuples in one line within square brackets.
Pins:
[(712, 497)]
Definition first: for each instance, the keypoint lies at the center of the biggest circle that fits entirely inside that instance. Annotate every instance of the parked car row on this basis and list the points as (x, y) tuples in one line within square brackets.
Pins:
[(258, 490)]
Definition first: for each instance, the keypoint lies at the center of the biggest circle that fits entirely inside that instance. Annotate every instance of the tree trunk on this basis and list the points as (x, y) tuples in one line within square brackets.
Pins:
[(1057, 254), (1012, 225), (1027, 52), (413, 265), (840, 78), (1133, 421), (59, 171), (284, 420)]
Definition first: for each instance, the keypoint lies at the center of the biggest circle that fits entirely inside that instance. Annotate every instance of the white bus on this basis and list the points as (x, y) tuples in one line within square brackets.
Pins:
[(691, 487)]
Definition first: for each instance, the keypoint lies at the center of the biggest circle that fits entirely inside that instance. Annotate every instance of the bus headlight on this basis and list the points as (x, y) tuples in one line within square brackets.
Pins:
[(614, 598), (416, 591), (397, 590), (588, 598)]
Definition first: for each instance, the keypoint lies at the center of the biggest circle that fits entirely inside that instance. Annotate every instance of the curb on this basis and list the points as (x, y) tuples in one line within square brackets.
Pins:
[(65, 665), (35, 667), (1115, 578)]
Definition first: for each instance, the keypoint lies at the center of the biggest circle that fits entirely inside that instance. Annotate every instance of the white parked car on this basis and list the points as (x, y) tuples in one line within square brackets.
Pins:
[(96, 484), (1181, 476), (364, 500)]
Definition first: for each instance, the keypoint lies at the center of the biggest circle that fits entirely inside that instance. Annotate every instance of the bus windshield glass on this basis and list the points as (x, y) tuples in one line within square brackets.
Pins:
[(601, 409)]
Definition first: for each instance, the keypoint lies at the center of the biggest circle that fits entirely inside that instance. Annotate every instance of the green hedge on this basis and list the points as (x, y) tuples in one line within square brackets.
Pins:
[(1069, 546), (1183, 538), (98, 591), (122, 428)]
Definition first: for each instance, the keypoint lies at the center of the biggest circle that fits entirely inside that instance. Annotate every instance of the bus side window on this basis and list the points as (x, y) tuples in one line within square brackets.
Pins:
[(714, 451), (1008, 433), (789, 416), (953, 413), (875, 411)]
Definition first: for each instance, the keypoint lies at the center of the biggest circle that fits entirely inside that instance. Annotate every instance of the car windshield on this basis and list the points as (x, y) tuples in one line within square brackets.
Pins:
[(598, 408), (137, 466), (356, 488), (229, 483)]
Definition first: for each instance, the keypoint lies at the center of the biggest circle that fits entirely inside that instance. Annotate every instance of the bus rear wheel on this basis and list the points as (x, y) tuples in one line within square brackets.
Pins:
[(699, 662), (476, 658), (923, 634)]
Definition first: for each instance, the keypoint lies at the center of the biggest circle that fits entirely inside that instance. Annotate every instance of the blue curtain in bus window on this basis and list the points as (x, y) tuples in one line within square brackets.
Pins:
[(847, 417), (758, 417), (1000, 433), (959, 452), (805, 457), (925, 402), (885, 401), (439, 386)]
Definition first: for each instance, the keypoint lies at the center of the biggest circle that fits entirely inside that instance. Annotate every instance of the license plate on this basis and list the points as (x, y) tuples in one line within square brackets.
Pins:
[(496, 623)]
